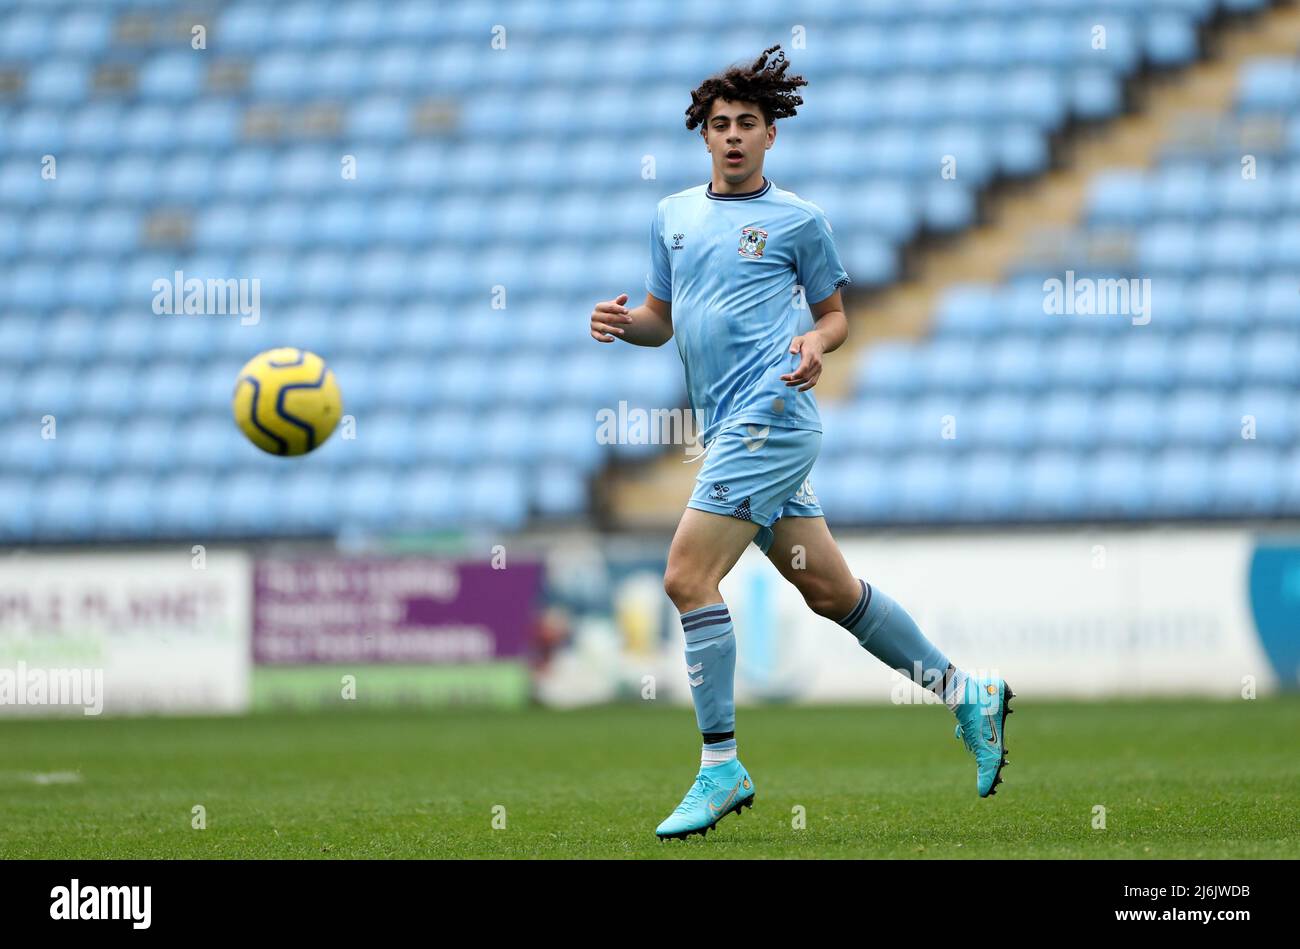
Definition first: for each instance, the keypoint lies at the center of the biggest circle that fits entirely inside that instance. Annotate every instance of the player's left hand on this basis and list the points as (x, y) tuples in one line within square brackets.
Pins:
[(811, 348)]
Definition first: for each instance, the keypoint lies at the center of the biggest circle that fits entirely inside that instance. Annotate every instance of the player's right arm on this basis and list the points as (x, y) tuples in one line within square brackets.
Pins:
[(650, 324)]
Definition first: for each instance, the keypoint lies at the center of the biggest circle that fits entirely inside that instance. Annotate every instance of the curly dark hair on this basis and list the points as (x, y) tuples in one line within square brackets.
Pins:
[(763, 82)]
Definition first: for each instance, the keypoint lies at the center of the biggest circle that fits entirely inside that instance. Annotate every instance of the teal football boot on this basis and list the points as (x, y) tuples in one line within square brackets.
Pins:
[(982, 725), (717, 791)]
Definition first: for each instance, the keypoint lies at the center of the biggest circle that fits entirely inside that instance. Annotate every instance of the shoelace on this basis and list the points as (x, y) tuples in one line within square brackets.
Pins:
[(703, 787)]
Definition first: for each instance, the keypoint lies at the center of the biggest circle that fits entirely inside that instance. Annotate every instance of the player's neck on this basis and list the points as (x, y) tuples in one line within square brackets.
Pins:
[(753, 183)]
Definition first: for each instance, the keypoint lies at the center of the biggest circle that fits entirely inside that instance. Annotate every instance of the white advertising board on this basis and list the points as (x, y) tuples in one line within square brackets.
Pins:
[(128, 633), (1087, 614)]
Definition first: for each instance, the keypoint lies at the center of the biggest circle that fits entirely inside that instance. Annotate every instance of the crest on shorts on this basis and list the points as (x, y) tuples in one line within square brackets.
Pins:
[(752, 242)]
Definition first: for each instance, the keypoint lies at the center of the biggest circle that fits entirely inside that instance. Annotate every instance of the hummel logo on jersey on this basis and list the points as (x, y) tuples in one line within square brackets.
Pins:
[(719, 491), (677, 241), (757, 436), (752, 242)]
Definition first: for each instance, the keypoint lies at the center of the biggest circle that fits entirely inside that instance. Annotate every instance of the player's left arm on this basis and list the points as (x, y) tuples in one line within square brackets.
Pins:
[(830, 330)]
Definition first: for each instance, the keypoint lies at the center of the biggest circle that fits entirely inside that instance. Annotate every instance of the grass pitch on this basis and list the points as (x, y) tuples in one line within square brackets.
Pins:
[(1177, 779)]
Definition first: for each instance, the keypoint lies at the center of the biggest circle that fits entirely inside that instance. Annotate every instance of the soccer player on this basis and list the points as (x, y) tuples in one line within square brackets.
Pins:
[(732, 263)]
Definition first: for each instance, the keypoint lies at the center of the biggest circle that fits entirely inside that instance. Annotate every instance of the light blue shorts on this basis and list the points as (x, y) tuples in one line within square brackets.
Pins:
[(759, 473)]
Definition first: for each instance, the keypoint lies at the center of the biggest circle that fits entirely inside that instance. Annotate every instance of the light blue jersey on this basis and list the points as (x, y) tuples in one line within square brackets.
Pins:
[(741, 272)]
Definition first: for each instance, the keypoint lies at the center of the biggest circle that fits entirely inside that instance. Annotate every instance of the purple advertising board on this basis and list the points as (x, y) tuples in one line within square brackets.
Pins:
[(392, 609)]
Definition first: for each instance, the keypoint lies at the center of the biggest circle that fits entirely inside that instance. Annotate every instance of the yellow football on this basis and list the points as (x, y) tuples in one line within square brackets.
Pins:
[(287, 401)]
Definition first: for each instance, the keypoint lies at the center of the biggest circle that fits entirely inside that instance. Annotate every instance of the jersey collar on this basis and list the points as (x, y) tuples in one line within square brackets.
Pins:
[(742, 196)]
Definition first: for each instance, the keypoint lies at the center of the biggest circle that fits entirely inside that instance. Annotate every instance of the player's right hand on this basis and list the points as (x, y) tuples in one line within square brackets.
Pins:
[(608, 318)]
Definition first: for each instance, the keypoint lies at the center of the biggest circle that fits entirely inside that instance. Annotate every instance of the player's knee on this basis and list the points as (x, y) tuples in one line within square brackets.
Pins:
[(688, 589), (823, 597), (677, 584)]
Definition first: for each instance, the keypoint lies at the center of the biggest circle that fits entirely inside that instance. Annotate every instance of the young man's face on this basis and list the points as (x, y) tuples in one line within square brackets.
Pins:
[(738, 139)]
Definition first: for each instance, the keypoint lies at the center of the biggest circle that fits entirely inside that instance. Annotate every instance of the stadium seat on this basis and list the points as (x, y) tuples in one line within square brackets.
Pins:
[(478, 182)]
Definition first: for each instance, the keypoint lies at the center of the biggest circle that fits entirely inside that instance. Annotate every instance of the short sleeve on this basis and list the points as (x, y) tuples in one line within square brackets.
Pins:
[(659, 278), (817, 262)]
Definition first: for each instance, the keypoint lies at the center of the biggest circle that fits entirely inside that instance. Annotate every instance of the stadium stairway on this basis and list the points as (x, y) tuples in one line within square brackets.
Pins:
[(1018, 219)]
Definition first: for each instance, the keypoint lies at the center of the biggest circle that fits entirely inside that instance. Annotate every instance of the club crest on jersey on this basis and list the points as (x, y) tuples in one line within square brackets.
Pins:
[(752, 242)]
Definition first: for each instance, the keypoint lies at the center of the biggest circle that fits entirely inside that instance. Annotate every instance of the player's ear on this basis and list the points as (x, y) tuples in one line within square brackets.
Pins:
[(771, 133)]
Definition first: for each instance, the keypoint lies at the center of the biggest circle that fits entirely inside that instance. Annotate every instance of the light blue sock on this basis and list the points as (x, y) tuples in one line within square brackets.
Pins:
[(711, 667), (886, 631)]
